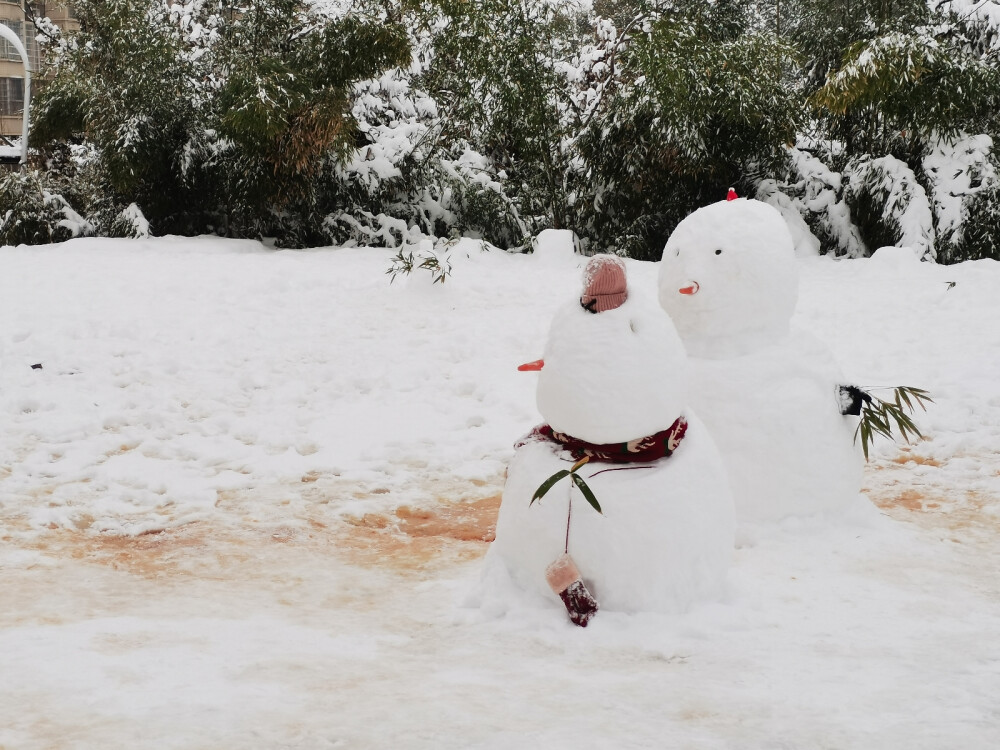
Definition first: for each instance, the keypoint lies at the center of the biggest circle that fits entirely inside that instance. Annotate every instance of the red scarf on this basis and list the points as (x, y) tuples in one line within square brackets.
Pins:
[(642, 450)]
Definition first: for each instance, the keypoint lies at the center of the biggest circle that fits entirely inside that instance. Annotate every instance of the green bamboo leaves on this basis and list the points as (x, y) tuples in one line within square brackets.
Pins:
[(585, 490), (878, 416)]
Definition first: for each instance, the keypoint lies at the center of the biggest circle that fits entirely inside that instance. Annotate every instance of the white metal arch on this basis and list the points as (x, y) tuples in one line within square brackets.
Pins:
[(7, 33)]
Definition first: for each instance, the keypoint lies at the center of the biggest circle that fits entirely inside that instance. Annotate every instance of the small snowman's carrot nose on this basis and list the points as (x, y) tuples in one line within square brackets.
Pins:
[(692, 288), (538, 364)]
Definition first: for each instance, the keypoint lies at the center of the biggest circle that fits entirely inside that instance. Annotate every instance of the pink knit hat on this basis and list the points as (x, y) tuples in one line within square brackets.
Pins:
[(604, 284)]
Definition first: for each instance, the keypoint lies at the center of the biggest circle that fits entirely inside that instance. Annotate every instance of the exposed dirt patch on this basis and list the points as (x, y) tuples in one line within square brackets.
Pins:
[(122, 449), (412, 538), (960, 513), (912, 500), (405, 539), (464, 522), (148, 555), (907, 456)]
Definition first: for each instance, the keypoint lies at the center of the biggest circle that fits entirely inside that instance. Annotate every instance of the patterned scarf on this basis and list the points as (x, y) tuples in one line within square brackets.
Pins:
[(642, 450)]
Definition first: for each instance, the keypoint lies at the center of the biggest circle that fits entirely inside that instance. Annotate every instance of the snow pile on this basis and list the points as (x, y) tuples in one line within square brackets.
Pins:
[(559, 245), (12, 151)]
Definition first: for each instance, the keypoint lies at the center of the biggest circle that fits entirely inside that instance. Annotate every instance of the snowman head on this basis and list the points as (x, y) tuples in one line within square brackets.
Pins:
[(728, 278), (614, 367)]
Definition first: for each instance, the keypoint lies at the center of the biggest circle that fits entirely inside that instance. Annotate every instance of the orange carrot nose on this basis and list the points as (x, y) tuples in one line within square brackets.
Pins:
[(692, 289), (538, 364)]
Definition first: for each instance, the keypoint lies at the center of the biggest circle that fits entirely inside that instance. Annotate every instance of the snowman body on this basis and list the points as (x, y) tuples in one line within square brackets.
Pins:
[(664, 538), (767, 391)]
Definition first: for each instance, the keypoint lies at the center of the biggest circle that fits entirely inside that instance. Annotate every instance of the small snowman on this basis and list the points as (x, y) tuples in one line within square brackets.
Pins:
[(771, 395), (645, 521)]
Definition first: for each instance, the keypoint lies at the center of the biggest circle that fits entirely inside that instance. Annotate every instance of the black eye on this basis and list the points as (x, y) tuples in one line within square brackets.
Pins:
[(718, 252)]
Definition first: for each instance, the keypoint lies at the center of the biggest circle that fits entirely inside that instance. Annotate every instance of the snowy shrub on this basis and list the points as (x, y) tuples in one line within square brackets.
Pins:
[(30, 215), (209, 116), (129, 223), (721, 101), (479, 201), (981, 232), (499, 69), (791, 210), (373, 230), (909, 84), (407, 179), (890, 206), (815, 192), (698, 102), (386, 122), (964, 186)]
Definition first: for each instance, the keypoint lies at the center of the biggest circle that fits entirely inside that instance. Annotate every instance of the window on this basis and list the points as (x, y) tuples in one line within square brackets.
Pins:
[(31, 45), (11, 96), (7, 51), (27, 34)]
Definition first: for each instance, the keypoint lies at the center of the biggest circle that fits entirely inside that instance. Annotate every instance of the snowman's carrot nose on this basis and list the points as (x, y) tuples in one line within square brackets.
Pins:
[(538, 364), (692, 288)]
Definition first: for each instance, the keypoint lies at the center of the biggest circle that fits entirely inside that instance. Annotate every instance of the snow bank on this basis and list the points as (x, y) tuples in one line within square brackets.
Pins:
[(309, 378)]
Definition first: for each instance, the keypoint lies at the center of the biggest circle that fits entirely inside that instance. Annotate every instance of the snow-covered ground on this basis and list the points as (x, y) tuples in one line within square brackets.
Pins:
[(243, 503)]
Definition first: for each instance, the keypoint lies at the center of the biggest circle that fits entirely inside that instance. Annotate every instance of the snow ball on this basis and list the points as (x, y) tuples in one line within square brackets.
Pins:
[(612, 376), (728, 277), (554, 244)]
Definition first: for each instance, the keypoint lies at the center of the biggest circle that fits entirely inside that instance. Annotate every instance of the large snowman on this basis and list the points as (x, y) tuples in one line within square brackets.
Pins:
[(769, 393), (613, 388)]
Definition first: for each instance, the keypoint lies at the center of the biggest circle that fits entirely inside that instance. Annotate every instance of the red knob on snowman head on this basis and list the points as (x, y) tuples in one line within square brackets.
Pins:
[(731, 196)]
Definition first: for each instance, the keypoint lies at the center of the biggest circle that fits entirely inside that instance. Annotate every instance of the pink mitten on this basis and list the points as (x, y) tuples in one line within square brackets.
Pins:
[(564, 578)]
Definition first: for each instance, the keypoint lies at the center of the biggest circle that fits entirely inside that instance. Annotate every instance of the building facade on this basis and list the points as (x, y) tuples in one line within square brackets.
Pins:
[(14, 14)]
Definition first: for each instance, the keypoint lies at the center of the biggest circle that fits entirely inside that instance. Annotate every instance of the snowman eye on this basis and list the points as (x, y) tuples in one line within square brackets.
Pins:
[(718, 252), (631, 324)]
